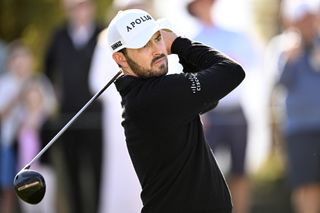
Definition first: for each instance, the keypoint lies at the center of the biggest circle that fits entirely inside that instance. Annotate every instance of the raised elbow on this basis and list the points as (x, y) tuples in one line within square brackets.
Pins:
[(240, 73)]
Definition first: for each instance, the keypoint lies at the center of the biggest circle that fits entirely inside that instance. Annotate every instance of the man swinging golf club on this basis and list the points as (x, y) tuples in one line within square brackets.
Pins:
[(164, 136), (174, 164)]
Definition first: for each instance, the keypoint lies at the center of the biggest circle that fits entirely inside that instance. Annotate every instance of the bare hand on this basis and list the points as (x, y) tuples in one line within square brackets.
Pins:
[(168, 38)]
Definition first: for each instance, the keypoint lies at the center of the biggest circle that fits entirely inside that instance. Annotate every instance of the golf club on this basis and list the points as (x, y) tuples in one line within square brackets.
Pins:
[(30, 185)]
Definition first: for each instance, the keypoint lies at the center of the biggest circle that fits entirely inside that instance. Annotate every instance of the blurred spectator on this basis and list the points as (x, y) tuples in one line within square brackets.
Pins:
[(274, 59), (226, 127), (19, 70), (3, 54), (67, 65), (38, 102), (121, 188), (300, 78)]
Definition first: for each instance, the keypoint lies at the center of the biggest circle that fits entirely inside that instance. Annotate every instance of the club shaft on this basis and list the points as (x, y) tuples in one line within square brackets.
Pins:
[(73, 119)]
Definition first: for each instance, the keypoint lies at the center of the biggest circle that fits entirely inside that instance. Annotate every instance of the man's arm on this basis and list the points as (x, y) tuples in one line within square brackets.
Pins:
[(192, 66), (183, 96)]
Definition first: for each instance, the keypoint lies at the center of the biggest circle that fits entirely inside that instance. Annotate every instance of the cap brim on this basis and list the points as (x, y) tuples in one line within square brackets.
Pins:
[(146, 34)]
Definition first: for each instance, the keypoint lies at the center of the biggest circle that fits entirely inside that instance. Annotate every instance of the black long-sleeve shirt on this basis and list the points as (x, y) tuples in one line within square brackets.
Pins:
[(174, 164)]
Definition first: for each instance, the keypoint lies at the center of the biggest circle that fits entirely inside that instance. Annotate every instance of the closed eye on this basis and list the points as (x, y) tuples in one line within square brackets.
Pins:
[(159, 37)]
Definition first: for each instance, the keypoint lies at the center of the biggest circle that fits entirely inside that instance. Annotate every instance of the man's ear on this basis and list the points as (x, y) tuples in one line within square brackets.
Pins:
[(120, 59)]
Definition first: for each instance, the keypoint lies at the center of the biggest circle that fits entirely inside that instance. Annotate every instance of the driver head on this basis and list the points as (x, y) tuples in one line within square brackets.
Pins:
[(30, 186)]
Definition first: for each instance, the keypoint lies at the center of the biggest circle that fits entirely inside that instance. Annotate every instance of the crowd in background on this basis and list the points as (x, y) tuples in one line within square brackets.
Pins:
[(89, 169)]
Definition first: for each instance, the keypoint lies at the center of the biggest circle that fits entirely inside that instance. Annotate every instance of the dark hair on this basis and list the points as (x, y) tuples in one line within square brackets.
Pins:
[(124, 52)]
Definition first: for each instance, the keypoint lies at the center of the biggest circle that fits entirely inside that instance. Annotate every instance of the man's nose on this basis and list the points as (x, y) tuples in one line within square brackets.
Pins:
[(155, 48)]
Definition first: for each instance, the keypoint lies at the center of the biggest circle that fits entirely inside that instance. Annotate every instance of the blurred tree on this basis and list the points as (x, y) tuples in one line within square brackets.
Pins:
[(33, 21), (267, 17)]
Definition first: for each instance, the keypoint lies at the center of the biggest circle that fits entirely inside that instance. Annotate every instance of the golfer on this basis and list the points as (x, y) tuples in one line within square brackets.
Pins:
[(164, 135)]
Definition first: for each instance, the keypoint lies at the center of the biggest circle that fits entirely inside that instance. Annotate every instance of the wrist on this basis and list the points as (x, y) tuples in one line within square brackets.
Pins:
[(180, 44)]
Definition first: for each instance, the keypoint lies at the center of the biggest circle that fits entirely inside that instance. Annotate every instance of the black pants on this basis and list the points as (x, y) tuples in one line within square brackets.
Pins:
[(82, 153)]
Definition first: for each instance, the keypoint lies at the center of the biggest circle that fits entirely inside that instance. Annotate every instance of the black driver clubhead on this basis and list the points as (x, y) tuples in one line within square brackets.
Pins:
[(30, 186)]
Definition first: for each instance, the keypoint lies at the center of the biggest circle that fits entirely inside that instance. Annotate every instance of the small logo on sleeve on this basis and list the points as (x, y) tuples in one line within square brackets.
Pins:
[(195, 83)]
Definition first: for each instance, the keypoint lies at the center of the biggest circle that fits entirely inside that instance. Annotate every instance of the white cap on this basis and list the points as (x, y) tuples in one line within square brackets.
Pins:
[(133, 28)]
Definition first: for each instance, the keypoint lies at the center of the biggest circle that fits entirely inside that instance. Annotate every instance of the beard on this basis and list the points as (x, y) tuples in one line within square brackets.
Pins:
[(148, 73)]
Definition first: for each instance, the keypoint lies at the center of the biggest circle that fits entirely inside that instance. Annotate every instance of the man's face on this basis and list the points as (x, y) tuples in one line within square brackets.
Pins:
[(150, 60), (21, 63), (307, 26), (80, 13)]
